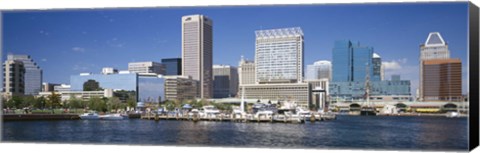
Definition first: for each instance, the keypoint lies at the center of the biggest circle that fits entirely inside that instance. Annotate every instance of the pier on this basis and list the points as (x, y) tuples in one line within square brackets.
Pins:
[(242, 119)]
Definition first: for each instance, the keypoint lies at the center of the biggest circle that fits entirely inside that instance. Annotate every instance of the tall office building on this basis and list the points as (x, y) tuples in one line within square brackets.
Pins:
[(279, 55), (350, 62), (319, 70), (246, 72), (443, 80), (173, 66), (146, 67), (225, 81), (197, 51), (33, 74), (377, 67), (14, 77), (433, 48), (180, 87)]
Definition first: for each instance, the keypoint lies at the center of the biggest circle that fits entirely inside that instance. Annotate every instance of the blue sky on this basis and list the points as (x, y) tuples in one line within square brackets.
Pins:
[(68, 42)]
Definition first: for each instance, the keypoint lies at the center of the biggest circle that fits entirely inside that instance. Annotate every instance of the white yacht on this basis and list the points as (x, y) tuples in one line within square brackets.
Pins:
[(209, 111), (113, 117), (452, 114), (90, 116)]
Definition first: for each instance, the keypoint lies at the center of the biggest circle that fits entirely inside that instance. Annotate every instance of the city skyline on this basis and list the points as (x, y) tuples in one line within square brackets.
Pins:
[(388, 38)]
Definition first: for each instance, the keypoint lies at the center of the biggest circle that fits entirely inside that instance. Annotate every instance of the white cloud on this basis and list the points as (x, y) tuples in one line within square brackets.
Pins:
[(44, 59), (393, 65), (78, 49)]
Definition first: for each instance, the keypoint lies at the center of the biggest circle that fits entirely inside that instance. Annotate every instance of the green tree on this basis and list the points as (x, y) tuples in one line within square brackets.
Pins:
[(15, 102), (91, 85), (28, 101), (131, 102), (54, 100), (114, 103), (40, 102), (75, 103)]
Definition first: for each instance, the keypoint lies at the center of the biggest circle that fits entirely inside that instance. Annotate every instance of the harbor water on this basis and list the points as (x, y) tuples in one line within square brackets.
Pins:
[(352, 132)]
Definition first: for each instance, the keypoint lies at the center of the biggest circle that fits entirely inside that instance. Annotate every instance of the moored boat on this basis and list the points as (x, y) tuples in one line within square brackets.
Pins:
[(113, 117), (90, 116)]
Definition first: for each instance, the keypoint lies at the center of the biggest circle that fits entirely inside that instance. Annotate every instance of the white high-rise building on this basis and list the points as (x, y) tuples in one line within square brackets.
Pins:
[(279, 55), (319, 70), (433, 48), (146, 67), (197, 51), (246, 72)]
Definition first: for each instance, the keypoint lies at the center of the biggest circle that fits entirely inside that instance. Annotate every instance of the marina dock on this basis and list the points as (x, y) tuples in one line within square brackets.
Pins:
[(243, 119)]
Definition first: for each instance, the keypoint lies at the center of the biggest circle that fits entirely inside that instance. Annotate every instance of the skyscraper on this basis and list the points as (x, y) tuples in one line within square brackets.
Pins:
[(377, 67), (319, 70), (279, 55), (33, 74), (225, 81), (442, 80), (350, 62), (173, 66), (433, 48), (14, 77), (197, 51)]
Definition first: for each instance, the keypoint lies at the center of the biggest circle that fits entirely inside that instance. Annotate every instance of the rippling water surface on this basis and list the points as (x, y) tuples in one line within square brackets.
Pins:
[(375, 132)]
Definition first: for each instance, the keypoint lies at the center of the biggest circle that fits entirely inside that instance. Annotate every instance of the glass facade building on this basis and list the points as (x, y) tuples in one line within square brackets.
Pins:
[(148, 87), (151, 89), (126, 82), (319, 70), (351, 64), (173, 66), (356, 90), (33, 74)]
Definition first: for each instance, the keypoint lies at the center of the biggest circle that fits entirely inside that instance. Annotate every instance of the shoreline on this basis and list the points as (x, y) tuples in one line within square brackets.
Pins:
[(39, 117)]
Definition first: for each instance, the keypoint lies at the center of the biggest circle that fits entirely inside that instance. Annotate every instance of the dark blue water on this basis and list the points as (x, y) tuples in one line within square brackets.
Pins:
[(375, 132)]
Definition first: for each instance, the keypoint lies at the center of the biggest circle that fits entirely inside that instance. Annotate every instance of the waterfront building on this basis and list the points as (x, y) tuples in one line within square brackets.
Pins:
[(443, 80), (62, 88), (279, 55), (320, 92), (83, 95), (173, 66), (48, 87), (33, 74), (151, 88), (181, 88), (350, 62), (225, 81), (197, 51), (146, 67), (352, 91), (13, 78), (109, 70), (145, 87), (433, 48), (319, 70), (246, 72), (350, 65), (297, 92)]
